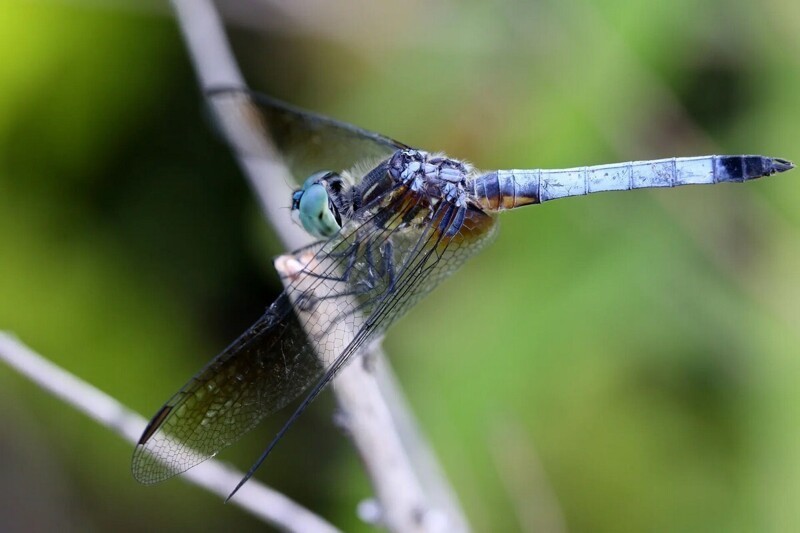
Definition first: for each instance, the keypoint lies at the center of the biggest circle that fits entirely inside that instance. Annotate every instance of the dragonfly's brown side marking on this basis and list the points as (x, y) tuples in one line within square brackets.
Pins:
[(499, 191)]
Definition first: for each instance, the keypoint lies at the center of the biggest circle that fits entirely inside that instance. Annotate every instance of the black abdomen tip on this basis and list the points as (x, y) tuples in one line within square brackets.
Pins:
[(780, 165), (748, 167)]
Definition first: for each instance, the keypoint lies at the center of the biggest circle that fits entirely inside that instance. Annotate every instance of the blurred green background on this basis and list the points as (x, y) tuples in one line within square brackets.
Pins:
[(629, 362)]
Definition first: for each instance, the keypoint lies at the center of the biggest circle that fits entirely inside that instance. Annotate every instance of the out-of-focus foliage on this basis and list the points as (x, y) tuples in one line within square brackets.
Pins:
[(630, 361)]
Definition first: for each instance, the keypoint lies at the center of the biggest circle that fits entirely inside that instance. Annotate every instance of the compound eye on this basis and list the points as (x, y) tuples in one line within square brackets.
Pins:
[(312, 206), (296, 197), (318, 177)]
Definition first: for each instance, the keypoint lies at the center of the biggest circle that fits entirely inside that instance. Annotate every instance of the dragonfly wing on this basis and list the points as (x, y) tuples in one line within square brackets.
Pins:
[(274, 361), (339, 295), (256, 125), (263, 370), (416, 258)]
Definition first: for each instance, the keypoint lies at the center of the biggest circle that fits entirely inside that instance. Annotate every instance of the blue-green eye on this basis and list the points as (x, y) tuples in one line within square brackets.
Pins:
[(296, 195), (313, 209)]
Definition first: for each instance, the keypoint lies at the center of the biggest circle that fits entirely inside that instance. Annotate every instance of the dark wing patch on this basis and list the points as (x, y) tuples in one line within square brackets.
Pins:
[(306, 142), (263, 370)]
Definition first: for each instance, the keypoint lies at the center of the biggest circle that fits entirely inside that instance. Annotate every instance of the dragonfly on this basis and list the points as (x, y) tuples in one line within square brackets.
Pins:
[(390, 223)]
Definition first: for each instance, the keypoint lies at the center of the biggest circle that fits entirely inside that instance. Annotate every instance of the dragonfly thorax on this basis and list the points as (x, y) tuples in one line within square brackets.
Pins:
[(434, 175), (325, 202)]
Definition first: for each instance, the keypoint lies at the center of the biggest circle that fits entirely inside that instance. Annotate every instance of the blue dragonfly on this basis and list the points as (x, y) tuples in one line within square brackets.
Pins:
[(391, 223)]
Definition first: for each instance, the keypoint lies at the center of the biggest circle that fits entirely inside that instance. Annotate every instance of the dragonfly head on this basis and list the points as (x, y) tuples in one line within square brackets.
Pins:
[(314, 206)]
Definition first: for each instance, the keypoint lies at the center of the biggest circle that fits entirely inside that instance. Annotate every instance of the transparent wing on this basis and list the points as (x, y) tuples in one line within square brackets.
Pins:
[(258, 125), (264, 369), (340, 294)]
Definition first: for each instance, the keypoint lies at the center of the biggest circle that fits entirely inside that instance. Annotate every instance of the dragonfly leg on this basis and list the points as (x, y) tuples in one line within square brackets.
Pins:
[(374, 273)]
